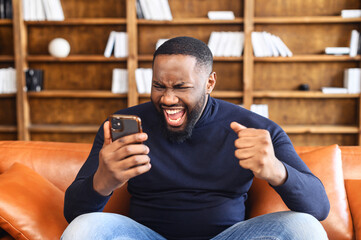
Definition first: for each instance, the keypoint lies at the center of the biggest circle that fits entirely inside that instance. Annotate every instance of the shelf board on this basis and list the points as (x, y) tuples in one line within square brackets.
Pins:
[(8, 128), (149, 58), (63, 128), (227, 94), (301, 94), (7, 95), (7, 58), (309, 58), (79, 21), (74, 58), (323, 129), (305, 19), (189, 21), (6, 22), (75, 94)]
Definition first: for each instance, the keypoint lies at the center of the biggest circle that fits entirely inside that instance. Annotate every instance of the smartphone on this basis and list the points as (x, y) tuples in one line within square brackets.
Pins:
[(123, 125)]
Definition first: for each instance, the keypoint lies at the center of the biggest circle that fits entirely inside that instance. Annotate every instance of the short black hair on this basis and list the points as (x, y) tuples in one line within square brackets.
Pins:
[(188, 46)]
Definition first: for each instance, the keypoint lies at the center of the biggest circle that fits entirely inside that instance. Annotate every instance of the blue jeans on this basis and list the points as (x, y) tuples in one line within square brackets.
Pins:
[(274, 226)]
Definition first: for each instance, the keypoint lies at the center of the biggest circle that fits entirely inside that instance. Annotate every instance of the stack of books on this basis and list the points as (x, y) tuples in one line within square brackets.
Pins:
[(6, 9), (351, 83), (119, 42), (226, 44), (143, 79), (221, 15), (7, 80), (268, 45), (120, 80), (353, 49), (154, 10), (40, 10)]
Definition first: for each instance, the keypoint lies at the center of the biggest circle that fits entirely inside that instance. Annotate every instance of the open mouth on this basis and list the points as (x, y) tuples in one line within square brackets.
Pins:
[(175, 117)]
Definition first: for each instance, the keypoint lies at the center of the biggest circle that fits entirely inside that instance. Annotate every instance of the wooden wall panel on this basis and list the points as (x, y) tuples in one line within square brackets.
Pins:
[(6, 40), (73, 111), (229, 76), (8, 111), (78, 76), (312, 111), (86, 39), (274, 8), (289, 76), (94, 8), (311, 38), (8, 136)]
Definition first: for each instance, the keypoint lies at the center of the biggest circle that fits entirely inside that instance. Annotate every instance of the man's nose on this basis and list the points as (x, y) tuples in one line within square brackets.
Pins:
[(169, 98)]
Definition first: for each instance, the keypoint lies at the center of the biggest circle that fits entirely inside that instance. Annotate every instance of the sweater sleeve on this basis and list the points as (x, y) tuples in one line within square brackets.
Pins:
[(80, 197), (302, 191)]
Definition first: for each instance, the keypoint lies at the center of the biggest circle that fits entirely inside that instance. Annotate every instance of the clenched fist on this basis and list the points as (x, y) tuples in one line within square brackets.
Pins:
[(254, 149)]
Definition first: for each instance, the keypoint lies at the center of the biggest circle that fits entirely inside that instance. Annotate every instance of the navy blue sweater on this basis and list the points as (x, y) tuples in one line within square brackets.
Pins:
[(196, 189)]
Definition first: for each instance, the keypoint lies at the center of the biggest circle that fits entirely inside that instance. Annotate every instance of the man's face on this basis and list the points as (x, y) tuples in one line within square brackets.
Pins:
[(180, 91)]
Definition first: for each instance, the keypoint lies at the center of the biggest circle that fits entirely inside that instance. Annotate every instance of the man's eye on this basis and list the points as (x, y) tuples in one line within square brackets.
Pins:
[(158, 86)]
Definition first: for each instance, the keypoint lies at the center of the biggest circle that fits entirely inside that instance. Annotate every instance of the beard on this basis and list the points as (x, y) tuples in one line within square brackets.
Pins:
[(192, 118)]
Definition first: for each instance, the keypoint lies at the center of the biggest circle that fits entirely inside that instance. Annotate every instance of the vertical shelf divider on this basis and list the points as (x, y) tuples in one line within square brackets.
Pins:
[(132, 62), (20, 43), (248, 64)]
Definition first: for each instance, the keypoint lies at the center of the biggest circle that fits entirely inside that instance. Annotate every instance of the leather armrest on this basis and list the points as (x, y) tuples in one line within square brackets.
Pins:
[(353, 187)]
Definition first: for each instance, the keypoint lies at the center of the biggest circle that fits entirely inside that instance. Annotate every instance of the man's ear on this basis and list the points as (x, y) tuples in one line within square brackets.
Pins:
[(211, 83)]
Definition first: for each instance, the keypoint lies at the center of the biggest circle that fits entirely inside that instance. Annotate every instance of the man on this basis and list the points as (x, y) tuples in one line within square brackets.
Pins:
[(190, 171)]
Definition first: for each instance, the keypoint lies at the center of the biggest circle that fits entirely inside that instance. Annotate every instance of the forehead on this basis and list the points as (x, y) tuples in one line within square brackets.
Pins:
[(178, 63)]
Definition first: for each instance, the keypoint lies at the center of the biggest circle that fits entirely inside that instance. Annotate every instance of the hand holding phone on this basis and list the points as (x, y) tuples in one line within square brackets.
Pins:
[(123, 125), (122, 160)]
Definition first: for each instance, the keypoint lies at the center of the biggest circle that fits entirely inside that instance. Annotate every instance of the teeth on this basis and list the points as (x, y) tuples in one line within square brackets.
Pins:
[(173, 111), (176, 120)]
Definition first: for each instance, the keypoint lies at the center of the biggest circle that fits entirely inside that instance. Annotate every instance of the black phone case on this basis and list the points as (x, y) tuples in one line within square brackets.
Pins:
[(121, 127)]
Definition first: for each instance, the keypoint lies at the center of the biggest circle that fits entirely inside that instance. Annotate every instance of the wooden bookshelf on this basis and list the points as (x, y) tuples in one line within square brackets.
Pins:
[(77, 98)]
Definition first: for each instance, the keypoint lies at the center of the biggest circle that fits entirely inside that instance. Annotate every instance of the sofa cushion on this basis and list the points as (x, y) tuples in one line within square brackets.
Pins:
[(326, 164), (30, 206), (354, 198)]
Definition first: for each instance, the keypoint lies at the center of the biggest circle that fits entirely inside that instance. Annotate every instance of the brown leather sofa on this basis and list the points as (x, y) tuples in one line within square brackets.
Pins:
[(34, 176)]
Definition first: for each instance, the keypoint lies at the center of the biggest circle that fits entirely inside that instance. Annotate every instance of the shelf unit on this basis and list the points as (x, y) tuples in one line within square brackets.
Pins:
[(77, 97)]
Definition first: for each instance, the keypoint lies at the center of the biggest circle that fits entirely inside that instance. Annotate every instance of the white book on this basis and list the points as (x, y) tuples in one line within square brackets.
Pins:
[(13, 80), (1, 81), (119, 81), (124, 83), (47, 9), (355, 35), (221, 15), (139, 80), (145, 9), (235, 43), (267, 45), (260, 109), (32, 13), (59, 10), (229, 44), (147, 78), (220, 50), (337, 50), (257, 45), (351, 13), (213, 42), (110, 44), (279, 46), (159, 14), (160, 42), (240, 42), (352, 80), (40, 10), (334, 90), (288, 51), (274, 52), (121, 45), (152, 9), (167, 13)]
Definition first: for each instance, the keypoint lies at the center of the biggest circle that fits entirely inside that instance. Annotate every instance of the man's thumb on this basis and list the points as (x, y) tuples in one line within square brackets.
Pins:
[(237, 127), (107, 135)]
